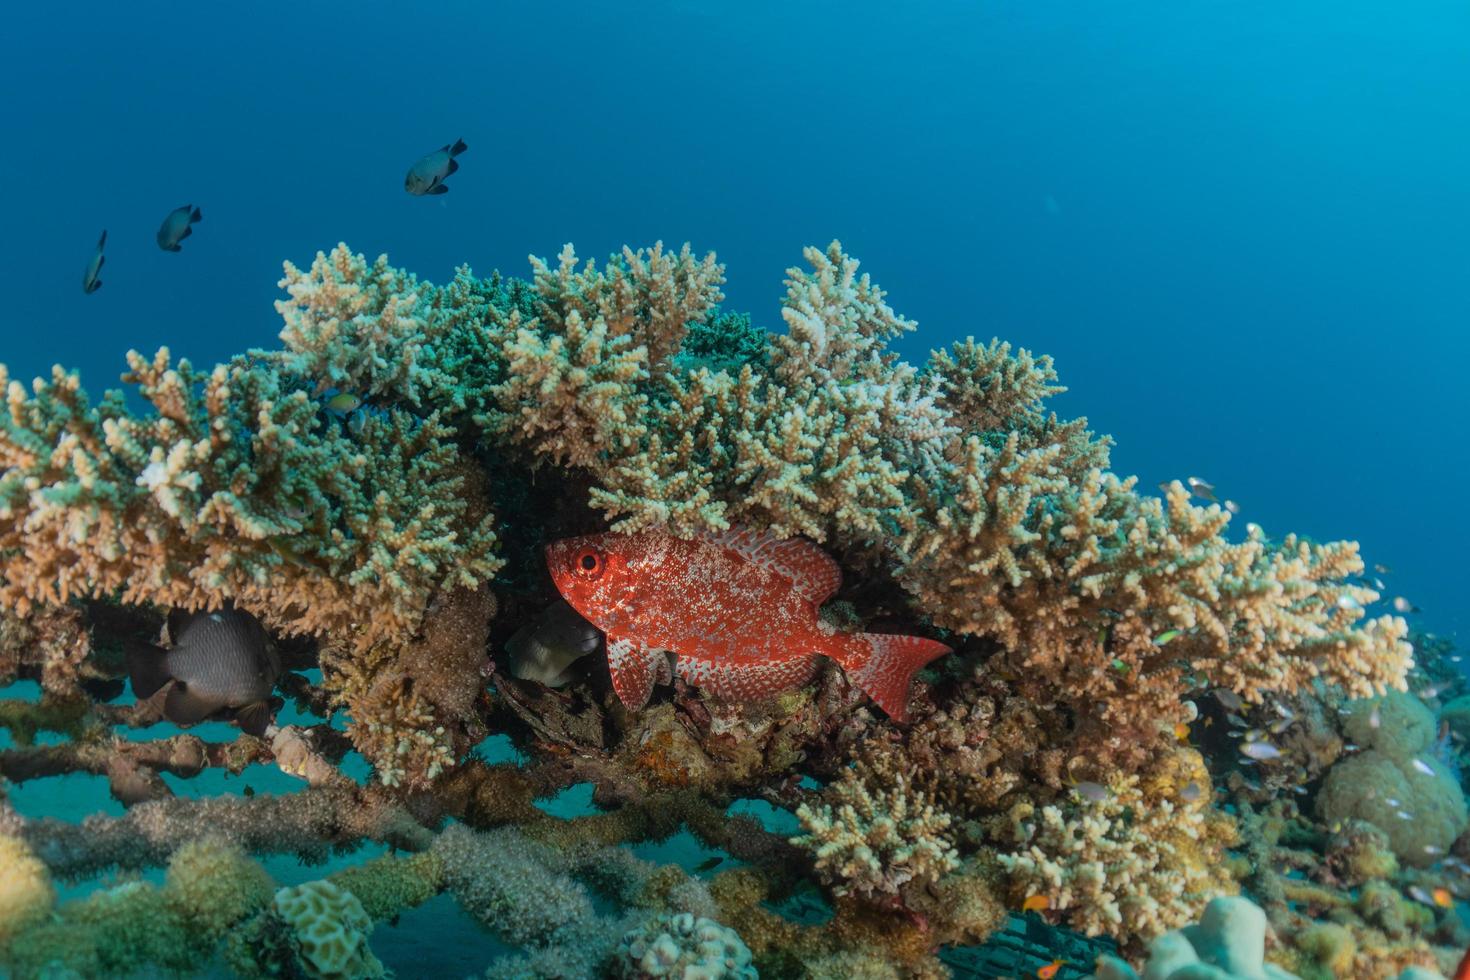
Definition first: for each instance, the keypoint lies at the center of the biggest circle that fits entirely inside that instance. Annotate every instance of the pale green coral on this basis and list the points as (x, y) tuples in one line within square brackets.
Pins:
[(331, 931)]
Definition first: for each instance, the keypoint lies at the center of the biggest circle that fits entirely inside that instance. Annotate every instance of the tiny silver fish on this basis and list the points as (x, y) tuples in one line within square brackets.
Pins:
[(1260, 751), (1405, 815), (1346, 601), (427, 176), (1191, 792), (178, 226), (1095, 792), (1232, 506), (1432, 850), (1420, 895), (1228, 699), (1382, 569), (90, 282), (218, 660), (1393, 803), (1423, 767), (1402, 605), (1375, 717), (1200, 488), (1379, 584)]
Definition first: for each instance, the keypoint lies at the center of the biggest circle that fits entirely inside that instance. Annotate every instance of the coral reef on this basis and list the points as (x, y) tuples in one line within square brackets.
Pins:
[(380, 492)]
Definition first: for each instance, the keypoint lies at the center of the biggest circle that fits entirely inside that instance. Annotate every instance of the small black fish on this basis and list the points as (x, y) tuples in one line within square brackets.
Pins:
[(177, 227), (218, 660), (708, 865), (428, 175), (248, 791), (90, 282)]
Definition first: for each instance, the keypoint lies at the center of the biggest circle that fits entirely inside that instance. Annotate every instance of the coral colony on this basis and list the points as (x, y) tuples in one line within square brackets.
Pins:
[(993, 685)]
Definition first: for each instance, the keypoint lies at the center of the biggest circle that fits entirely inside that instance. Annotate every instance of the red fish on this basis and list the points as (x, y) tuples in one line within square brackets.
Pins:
[(1462, 972), (738, 609)]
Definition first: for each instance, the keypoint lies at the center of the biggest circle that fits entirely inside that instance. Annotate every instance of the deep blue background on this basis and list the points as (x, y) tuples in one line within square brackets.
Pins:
[(1241, 227)]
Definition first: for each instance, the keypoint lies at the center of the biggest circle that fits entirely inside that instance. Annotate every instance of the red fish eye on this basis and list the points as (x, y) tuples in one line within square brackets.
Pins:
[(588, 563)]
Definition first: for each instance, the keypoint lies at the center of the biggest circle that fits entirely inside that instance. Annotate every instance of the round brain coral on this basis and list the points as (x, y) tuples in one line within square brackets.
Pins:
[(683, 946), (1422, 812), (26, 892), (331, 931), (1396, 724)]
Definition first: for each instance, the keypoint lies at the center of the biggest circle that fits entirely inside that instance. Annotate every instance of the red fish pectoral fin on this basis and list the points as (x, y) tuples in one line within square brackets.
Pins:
[(635, 667), (883, 665), (745, 683)]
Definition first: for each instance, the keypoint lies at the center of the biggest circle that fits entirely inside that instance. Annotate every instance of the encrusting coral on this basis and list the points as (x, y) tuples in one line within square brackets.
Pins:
[(379, 493)]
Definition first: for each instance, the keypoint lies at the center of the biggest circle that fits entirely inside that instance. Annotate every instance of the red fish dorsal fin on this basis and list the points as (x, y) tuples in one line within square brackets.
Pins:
[(814, 574)]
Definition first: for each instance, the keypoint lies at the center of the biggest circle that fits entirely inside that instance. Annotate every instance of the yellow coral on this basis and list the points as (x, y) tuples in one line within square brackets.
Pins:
[(213, 885), (331, 930), (26, 892)]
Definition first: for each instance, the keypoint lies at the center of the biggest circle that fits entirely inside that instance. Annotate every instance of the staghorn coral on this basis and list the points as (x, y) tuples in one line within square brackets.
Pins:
[(1124, 865), (234, 487), (872, 838)]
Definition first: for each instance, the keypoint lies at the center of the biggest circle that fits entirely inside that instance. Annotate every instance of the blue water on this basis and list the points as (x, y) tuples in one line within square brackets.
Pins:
[(1242, 228)]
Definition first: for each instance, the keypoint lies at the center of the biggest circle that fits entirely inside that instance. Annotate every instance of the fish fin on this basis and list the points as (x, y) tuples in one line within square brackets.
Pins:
[(197, 215), (172, 248), (814, 574), (453, 166), (102, 242), (437, 189), (183, 707), (457, 148), (635, 667), (187, 232), (732, 682), (96, 285), (254, 718), (147, 667), (884, 664)]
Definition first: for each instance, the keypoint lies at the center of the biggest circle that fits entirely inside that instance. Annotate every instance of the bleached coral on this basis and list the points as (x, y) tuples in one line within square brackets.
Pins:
[(330, 930), (874, 837), (1123, 865)]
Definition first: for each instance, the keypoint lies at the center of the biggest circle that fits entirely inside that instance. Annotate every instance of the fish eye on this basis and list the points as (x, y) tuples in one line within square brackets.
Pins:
[(588, 563)]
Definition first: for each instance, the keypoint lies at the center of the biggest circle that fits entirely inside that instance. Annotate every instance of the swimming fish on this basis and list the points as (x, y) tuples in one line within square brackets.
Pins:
[(1181, 732), (1200, 488), (1382, 569), (90, 282), (428, 174), (1443, 897), (1423, 767), (1094, 792), (344, 402), (1232, 506), (544, 649), (218, 660), (738, 608), (1036, 903), (1400, 604), (1191, 792), (709, 864), (1375, 717), (1164, 637), (1228, 699), (178, 226), (1260, 751), (1050, 970)]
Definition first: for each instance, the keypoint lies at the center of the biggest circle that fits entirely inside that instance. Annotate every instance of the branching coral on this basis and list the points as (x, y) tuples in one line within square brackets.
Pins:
[(234, 487), (1121, 865), (872, 839)]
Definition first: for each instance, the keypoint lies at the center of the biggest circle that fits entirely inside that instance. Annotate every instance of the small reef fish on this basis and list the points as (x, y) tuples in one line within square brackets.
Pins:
[(218, 660), (178, 226), (1423, 767), (344, 402), (1232, 507), (737, 608), (1375, 717), (90, 282), (1050, 970), (1382, 569), (1347, 602), (1443, 897), (1201, 489), (1036, 903), (1260, 751), (1093, 792), (1402, 605), (1191, 792), (1164, 637), (1228, 699), (428, 174), (1181, 732), (545, 649)]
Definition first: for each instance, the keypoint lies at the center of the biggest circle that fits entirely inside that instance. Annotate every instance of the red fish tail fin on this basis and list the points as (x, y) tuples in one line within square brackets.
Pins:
[(884, 664), (1462, 972)]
